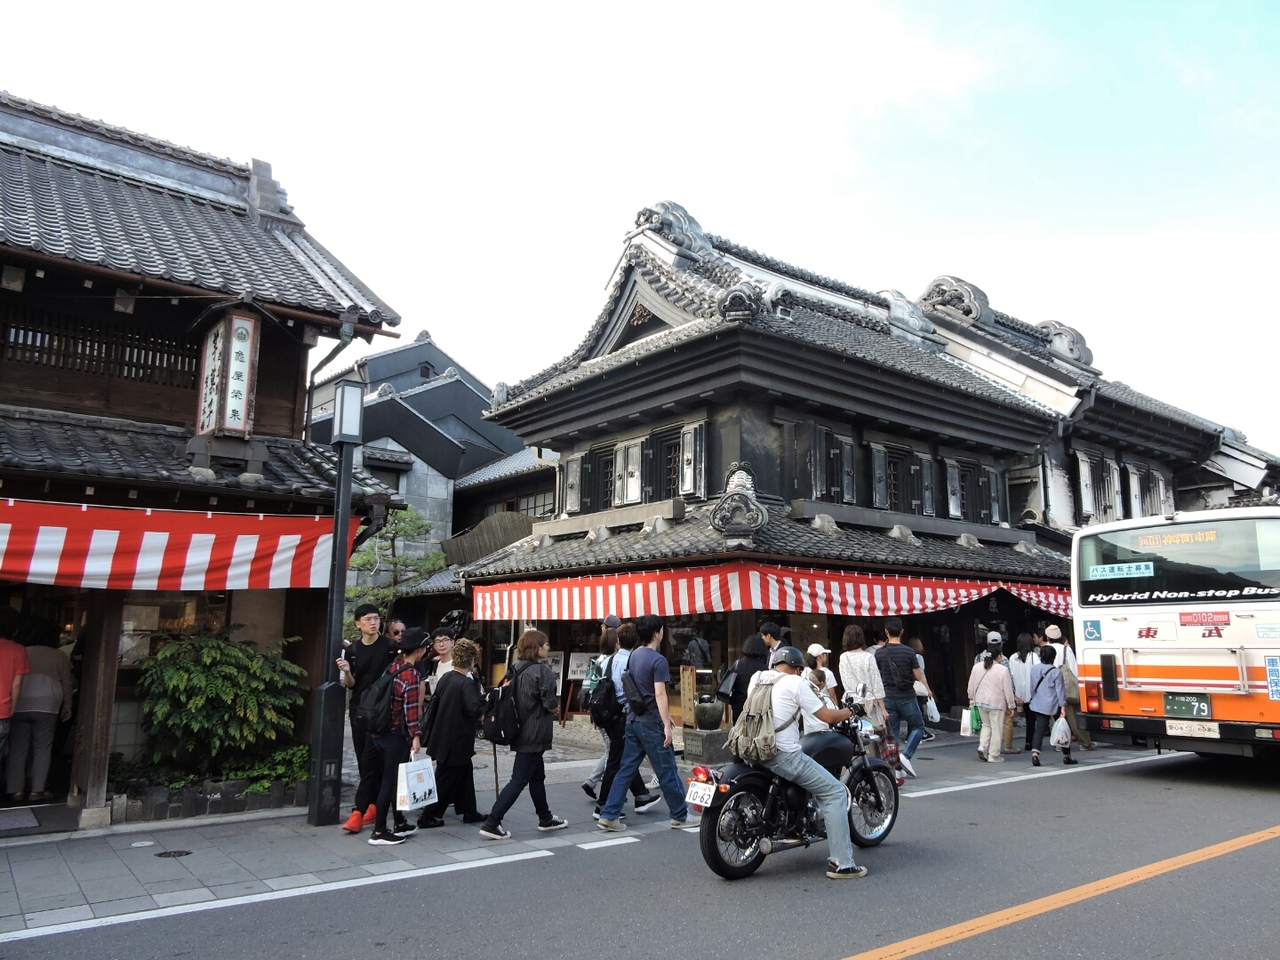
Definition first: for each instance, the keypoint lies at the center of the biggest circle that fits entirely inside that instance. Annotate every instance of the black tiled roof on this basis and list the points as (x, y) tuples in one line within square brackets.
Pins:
[(47, 442), (114, 206), (811, 322), (505, 468), (782, 539), (796, 273)]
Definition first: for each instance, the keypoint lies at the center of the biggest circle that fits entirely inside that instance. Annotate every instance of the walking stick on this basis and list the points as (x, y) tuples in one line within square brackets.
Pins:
[(495, 770)]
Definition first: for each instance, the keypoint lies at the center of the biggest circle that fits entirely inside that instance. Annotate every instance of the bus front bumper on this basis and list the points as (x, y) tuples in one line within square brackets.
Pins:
[(1234, 740)]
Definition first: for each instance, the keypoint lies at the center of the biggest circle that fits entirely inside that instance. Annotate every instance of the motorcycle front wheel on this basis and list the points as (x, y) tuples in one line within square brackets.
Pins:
[(723, 836), (870, 823)]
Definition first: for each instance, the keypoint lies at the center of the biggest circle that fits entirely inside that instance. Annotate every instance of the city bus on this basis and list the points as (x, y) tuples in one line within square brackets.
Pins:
[(1177, 630)]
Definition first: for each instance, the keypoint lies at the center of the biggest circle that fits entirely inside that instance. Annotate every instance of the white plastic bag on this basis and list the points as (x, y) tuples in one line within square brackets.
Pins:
[(415, 785), (931, 711), (1061, 735), (966, 722)]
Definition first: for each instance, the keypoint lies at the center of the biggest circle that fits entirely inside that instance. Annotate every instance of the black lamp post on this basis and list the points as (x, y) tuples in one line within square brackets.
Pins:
[(331, 696)]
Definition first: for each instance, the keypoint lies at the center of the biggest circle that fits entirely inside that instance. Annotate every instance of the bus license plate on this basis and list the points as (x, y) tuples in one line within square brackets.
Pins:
[(700, 794), (1194, 705), (1192, 728)]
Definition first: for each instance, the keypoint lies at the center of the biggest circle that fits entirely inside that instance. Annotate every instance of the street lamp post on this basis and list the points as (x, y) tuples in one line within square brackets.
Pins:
[(331, 696)]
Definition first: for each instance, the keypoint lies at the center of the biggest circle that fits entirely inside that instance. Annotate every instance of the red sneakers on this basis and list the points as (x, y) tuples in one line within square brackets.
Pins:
[(371, 814), (355, 822)]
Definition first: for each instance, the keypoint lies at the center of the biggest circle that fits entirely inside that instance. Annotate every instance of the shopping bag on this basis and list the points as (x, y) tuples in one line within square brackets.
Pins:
[(1061, 736), (976, 719), (931, 711), (415, 785), (966, 723)]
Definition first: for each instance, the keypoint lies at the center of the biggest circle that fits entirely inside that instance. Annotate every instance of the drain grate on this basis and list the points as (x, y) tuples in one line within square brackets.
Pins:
[(174, 853)]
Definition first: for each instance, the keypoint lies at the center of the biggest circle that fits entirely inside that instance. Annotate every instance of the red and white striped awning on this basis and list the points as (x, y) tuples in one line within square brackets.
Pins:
[(111, 548), (743, 585)]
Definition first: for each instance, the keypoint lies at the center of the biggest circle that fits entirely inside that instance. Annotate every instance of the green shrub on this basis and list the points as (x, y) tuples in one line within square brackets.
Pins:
[(289, 764), (210, 700)]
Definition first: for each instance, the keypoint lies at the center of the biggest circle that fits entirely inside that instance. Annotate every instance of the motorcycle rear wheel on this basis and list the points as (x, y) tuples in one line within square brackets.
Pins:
[(721, 836), (868, 826)]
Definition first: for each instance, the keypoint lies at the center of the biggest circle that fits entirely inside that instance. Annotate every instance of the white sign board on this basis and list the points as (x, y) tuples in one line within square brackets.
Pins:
[(578, 663), (555, 660)]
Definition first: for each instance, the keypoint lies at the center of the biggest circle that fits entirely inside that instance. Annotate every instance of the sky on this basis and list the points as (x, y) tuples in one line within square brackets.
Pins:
[(1108, 166)]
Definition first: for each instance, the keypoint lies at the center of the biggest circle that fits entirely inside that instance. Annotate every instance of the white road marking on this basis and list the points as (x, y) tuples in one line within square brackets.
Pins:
[(1082, 768), (597, 844), (201, 907)]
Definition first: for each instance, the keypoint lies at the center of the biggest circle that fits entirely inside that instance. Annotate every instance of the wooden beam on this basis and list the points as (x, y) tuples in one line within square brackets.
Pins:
[(97, 696)]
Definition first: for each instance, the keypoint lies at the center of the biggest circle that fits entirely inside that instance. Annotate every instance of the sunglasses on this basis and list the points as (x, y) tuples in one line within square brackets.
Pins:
[(396, 633)]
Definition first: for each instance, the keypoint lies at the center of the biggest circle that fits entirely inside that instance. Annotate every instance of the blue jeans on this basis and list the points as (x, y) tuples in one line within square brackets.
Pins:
[(645, 739), (909, 711), (831, 795)]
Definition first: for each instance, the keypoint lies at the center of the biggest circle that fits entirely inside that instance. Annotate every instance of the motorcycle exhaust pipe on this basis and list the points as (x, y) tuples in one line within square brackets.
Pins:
[(768, 846)]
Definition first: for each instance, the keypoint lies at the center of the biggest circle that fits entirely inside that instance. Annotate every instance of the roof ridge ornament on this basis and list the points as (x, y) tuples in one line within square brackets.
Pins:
[(1067, 343), (671, 221), (958, 299), (738, 514), (739, 303)]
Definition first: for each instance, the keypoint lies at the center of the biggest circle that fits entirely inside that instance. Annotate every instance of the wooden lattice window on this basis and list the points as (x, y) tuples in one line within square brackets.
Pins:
[(43, 338)]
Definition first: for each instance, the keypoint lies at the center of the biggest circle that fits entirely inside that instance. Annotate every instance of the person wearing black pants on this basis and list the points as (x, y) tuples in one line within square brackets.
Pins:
[(401, 741), (450, 727), (534, 687), (362, 663)]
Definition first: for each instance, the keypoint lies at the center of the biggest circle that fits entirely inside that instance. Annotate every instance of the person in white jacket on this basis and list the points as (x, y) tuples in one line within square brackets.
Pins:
[(991, 691)]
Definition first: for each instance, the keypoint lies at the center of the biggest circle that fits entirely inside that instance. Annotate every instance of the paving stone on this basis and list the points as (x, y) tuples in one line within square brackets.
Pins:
[(41, 904), (33, 851), (172, 886), (106, 868), (342, 873), (288, 883), (46, 918), (465, 855), (10, 923), (114, 908), (100, 891), (244, 888), (176, 897), (388, 866)]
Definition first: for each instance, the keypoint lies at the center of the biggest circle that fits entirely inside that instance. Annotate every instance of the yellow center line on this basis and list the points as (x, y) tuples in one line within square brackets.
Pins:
[(1002, 918)]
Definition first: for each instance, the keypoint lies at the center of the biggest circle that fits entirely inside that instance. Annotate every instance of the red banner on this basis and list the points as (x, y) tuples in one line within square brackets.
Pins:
[(743, 585), (111, 548)]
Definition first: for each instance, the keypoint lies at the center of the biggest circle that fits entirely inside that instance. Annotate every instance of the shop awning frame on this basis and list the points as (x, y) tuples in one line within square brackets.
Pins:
[(123, 548), (745, 585)]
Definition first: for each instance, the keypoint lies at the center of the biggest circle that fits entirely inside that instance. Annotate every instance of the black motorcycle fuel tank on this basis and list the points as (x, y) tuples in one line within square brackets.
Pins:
[(829, 748)]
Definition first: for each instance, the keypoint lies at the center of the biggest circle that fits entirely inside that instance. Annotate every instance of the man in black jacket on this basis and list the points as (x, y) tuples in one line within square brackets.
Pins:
[(451, 737)]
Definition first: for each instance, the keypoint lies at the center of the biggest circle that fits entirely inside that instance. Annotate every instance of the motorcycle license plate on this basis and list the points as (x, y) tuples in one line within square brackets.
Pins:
[(700, 794)]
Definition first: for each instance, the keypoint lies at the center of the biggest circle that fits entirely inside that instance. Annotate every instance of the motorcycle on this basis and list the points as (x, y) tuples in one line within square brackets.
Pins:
[(749, 812)]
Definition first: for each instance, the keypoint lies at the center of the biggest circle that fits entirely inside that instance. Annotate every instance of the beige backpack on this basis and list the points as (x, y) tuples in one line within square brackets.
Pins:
[(753, 738)]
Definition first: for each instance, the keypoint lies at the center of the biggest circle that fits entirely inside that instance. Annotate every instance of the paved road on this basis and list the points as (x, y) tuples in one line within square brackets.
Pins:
[(963, 848)]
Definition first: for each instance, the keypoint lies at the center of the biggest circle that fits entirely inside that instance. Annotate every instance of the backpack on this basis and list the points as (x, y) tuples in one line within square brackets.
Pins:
[(698, 653), (375, 703), (589, 683), (636, 700), (753, 738), (603, 701), (500, 720)]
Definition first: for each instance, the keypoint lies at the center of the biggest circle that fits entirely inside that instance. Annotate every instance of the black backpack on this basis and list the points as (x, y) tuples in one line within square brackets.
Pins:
[(375, 703), (500, 720), (602, 702)]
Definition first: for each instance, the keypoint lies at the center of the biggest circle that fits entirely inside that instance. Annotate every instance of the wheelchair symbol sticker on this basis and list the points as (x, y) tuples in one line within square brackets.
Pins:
[(1093, 629)]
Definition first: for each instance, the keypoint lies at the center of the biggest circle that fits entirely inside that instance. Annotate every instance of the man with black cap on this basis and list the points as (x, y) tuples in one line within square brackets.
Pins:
[(792, 696), (401, 740)]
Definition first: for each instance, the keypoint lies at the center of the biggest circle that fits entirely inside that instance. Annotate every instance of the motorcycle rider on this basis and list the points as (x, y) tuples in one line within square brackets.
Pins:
[(791, 694)]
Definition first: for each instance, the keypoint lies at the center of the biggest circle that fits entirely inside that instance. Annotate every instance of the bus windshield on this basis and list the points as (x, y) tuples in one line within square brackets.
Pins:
[(1231, 560)]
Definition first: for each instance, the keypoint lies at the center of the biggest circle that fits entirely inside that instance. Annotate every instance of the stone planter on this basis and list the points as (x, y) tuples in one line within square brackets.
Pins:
[(708, 716)]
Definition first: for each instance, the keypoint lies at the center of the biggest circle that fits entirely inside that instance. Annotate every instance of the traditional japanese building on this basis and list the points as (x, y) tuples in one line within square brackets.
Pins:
[(157, 307), (741, 439)]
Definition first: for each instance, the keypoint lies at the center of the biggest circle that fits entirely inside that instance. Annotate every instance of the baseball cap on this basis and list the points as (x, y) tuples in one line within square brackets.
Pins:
[(816, 648), (994, 637), (790, 656), (612, 622), (1053, 632)]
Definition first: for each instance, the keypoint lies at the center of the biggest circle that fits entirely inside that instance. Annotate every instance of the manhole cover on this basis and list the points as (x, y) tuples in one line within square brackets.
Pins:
[(174, 853)]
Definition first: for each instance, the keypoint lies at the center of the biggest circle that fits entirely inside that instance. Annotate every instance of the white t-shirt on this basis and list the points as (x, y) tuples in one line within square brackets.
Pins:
[(791, 696), (826, 692)]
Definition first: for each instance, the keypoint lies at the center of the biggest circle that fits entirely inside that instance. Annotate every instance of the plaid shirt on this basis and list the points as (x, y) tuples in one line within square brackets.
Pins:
[(406, 700)]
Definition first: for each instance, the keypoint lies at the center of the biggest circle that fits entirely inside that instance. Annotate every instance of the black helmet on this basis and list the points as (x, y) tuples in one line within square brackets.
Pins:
[(790, 656)]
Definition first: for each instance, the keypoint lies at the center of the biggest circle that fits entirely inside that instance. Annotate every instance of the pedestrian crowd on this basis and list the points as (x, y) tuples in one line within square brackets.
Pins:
[(433, 699)]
